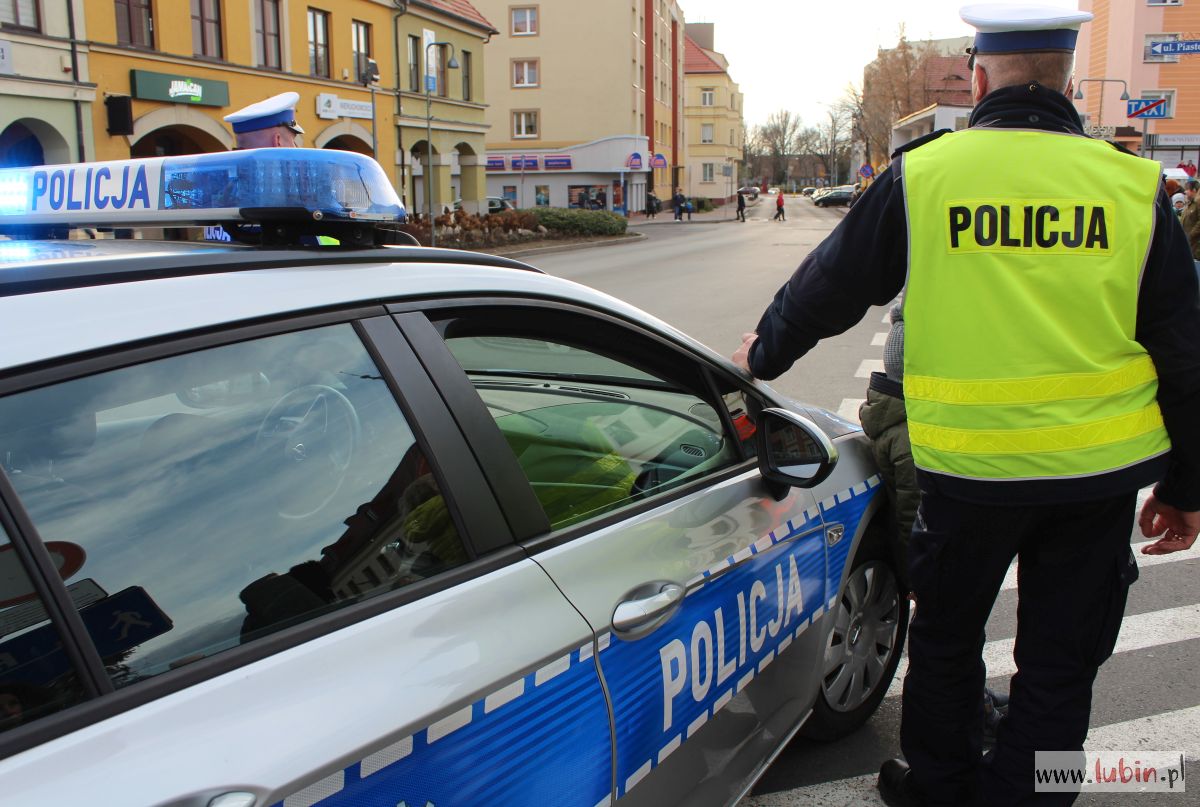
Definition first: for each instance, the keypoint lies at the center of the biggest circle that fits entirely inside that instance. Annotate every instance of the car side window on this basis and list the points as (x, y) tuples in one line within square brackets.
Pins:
[(592, 428), (36, 676), (222, 495)]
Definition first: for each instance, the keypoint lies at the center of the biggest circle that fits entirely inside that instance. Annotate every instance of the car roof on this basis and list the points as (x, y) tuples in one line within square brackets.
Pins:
[(68, 298)]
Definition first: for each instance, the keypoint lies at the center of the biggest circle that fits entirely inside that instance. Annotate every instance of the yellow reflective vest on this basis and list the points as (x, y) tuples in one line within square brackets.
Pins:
[(1026, 250)]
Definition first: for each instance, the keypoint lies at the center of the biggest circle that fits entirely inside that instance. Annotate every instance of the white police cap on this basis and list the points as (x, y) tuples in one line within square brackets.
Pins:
[(278, 110), (1023, 27)]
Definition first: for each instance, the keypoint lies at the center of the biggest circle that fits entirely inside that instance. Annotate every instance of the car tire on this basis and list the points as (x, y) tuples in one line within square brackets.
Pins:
[(872, 617)]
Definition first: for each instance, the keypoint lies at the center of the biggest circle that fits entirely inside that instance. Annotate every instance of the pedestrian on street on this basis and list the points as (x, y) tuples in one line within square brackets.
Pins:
[(267, 124), (1046, 380), (741, 206), (779, 215), (679, 200), (1191, 216)]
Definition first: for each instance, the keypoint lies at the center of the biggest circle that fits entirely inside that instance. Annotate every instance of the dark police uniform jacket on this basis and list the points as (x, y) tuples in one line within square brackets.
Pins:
[(863, 263)]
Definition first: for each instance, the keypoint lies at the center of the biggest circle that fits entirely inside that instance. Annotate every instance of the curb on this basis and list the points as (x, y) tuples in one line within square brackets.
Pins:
[(612, 242)]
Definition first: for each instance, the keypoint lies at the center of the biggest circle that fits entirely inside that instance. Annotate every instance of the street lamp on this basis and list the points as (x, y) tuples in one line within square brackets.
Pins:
[(368, 76), (429, 82), (1102, 81)]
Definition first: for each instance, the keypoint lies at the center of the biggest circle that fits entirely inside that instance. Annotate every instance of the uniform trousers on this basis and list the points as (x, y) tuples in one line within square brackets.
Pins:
[(1074, 570)]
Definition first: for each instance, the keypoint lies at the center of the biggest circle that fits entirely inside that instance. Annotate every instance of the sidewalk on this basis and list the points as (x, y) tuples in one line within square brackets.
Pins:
[(727, 212)]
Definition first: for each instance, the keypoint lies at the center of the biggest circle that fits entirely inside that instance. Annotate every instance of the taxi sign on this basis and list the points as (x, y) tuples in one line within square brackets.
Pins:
[(252, 185)]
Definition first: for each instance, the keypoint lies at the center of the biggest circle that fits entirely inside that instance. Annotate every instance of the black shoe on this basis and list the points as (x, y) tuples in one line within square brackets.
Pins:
[(998, 700), (895, 784)]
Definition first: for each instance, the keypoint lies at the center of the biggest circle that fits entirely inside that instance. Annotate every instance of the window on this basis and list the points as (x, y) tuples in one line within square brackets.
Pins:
[(360, 45), (229, 493), (708, 96), (19, 14), (439, 65), (414, 64), (266, 21), (706, 133), (206, 28), (1169, 95), (593, 428), (465, 67), (1164, 2), (706, 172), (525, 21), (525, 123), (37, 678), (318, 43), (134, 24), (541, 195), (1148, 54), (525, 72)]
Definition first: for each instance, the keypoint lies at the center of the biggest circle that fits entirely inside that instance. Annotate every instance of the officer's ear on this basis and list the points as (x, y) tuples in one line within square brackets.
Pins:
[(1070, 90), (979, 83)]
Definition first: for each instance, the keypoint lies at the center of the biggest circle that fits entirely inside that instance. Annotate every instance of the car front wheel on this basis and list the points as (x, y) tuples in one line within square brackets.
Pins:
[(862, 651)]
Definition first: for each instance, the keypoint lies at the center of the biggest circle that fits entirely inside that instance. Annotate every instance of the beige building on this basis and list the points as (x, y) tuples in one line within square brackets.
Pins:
[(45, 94), (1117, 54), (713, 118), (585, 102)]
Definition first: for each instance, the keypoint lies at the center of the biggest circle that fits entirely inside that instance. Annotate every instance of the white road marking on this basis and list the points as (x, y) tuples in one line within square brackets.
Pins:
[(879, 340), (849, 408), (1138, 632), (867, 367), (1143, 562)]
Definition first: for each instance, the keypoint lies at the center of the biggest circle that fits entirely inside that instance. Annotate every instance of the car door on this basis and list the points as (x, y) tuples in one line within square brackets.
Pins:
[(285, 580), (700, 586)]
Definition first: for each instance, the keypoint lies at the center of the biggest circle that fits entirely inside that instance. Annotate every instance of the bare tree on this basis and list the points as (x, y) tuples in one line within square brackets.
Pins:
[(894, 85), (830, 141), (778, 137)]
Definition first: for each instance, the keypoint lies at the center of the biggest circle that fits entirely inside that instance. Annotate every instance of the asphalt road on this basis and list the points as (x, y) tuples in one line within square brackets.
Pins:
[(713, 281)]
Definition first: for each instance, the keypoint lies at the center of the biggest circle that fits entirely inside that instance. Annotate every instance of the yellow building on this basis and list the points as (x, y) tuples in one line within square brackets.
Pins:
[(45, 92), (169, 72), (713, 114), (585, 102)]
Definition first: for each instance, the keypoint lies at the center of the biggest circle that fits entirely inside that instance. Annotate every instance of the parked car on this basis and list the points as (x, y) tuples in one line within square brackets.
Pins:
[(290, 524), (772, 191), (839, 196), (807, 191), (749, 190), (495, 204)]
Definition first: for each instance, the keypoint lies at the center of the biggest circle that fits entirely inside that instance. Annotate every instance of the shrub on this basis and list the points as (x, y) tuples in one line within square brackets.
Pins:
[(564, 222)]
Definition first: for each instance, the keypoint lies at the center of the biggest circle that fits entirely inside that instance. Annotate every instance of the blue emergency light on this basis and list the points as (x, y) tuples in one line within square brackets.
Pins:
[(256, 185)]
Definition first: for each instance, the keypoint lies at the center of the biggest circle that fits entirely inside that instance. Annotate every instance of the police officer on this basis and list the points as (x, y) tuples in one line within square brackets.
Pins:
[(267, 124), (1051, 369)]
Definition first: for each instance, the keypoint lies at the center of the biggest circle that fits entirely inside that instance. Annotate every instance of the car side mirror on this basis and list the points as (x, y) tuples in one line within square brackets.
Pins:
[(792, 451)]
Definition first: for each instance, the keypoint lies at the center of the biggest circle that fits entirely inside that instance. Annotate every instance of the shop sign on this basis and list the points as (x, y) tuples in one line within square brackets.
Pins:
[(495, 163), (557, 162), (330, 107), (634, 162), (1176, 140), (658, 161), (6, 61), (175, 89), (525, 162)]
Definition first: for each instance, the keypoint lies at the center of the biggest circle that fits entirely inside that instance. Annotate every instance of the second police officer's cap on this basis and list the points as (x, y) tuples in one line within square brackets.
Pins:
[(1023, 27), (278, 110)]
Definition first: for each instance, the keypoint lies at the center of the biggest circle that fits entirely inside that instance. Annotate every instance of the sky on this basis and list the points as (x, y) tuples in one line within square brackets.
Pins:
[(802, 54)]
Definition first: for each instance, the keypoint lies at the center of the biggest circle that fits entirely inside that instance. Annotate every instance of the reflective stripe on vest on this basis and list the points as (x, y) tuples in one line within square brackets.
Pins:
[(1025, 254)]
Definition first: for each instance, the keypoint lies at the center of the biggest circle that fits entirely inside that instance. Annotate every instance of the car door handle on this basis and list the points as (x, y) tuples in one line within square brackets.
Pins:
[(633, 614)]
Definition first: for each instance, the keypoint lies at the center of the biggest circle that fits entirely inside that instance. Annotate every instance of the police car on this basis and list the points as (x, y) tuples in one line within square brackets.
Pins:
[(360, 525)]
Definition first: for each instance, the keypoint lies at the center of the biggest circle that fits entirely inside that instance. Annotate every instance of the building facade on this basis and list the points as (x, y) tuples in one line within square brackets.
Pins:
[(713, 118), (46, 96), (585, 102), (170, 71), (1117, 54)]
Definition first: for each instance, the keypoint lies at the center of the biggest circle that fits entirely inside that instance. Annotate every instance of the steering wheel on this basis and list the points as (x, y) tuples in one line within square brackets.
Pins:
[(314, 432)]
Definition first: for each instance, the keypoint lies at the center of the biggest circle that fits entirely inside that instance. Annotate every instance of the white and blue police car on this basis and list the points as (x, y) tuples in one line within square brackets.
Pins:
[(294, 524)]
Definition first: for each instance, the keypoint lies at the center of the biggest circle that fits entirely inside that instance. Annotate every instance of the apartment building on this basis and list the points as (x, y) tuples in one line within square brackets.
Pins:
[(713, 118), (170, 71), (45, 94), (1117, 54), (585, 102)]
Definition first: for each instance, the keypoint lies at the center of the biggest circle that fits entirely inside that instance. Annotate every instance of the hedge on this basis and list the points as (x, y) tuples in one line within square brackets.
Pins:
[(568, 222)]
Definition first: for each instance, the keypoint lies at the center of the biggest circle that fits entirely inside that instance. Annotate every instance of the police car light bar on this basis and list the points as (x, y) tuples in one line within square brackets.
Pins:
[(256, 185)]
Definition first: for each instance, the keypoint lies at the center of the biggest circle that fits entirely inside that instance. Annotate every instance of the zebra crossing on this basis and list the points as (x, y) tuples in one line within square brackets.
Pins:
[(1145, 697)]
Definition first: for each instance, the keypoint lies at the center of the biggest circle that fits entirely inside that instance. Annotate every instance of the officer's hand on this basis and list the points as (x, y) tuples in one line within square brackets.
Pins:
[(1178, 528), (741, 356)]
